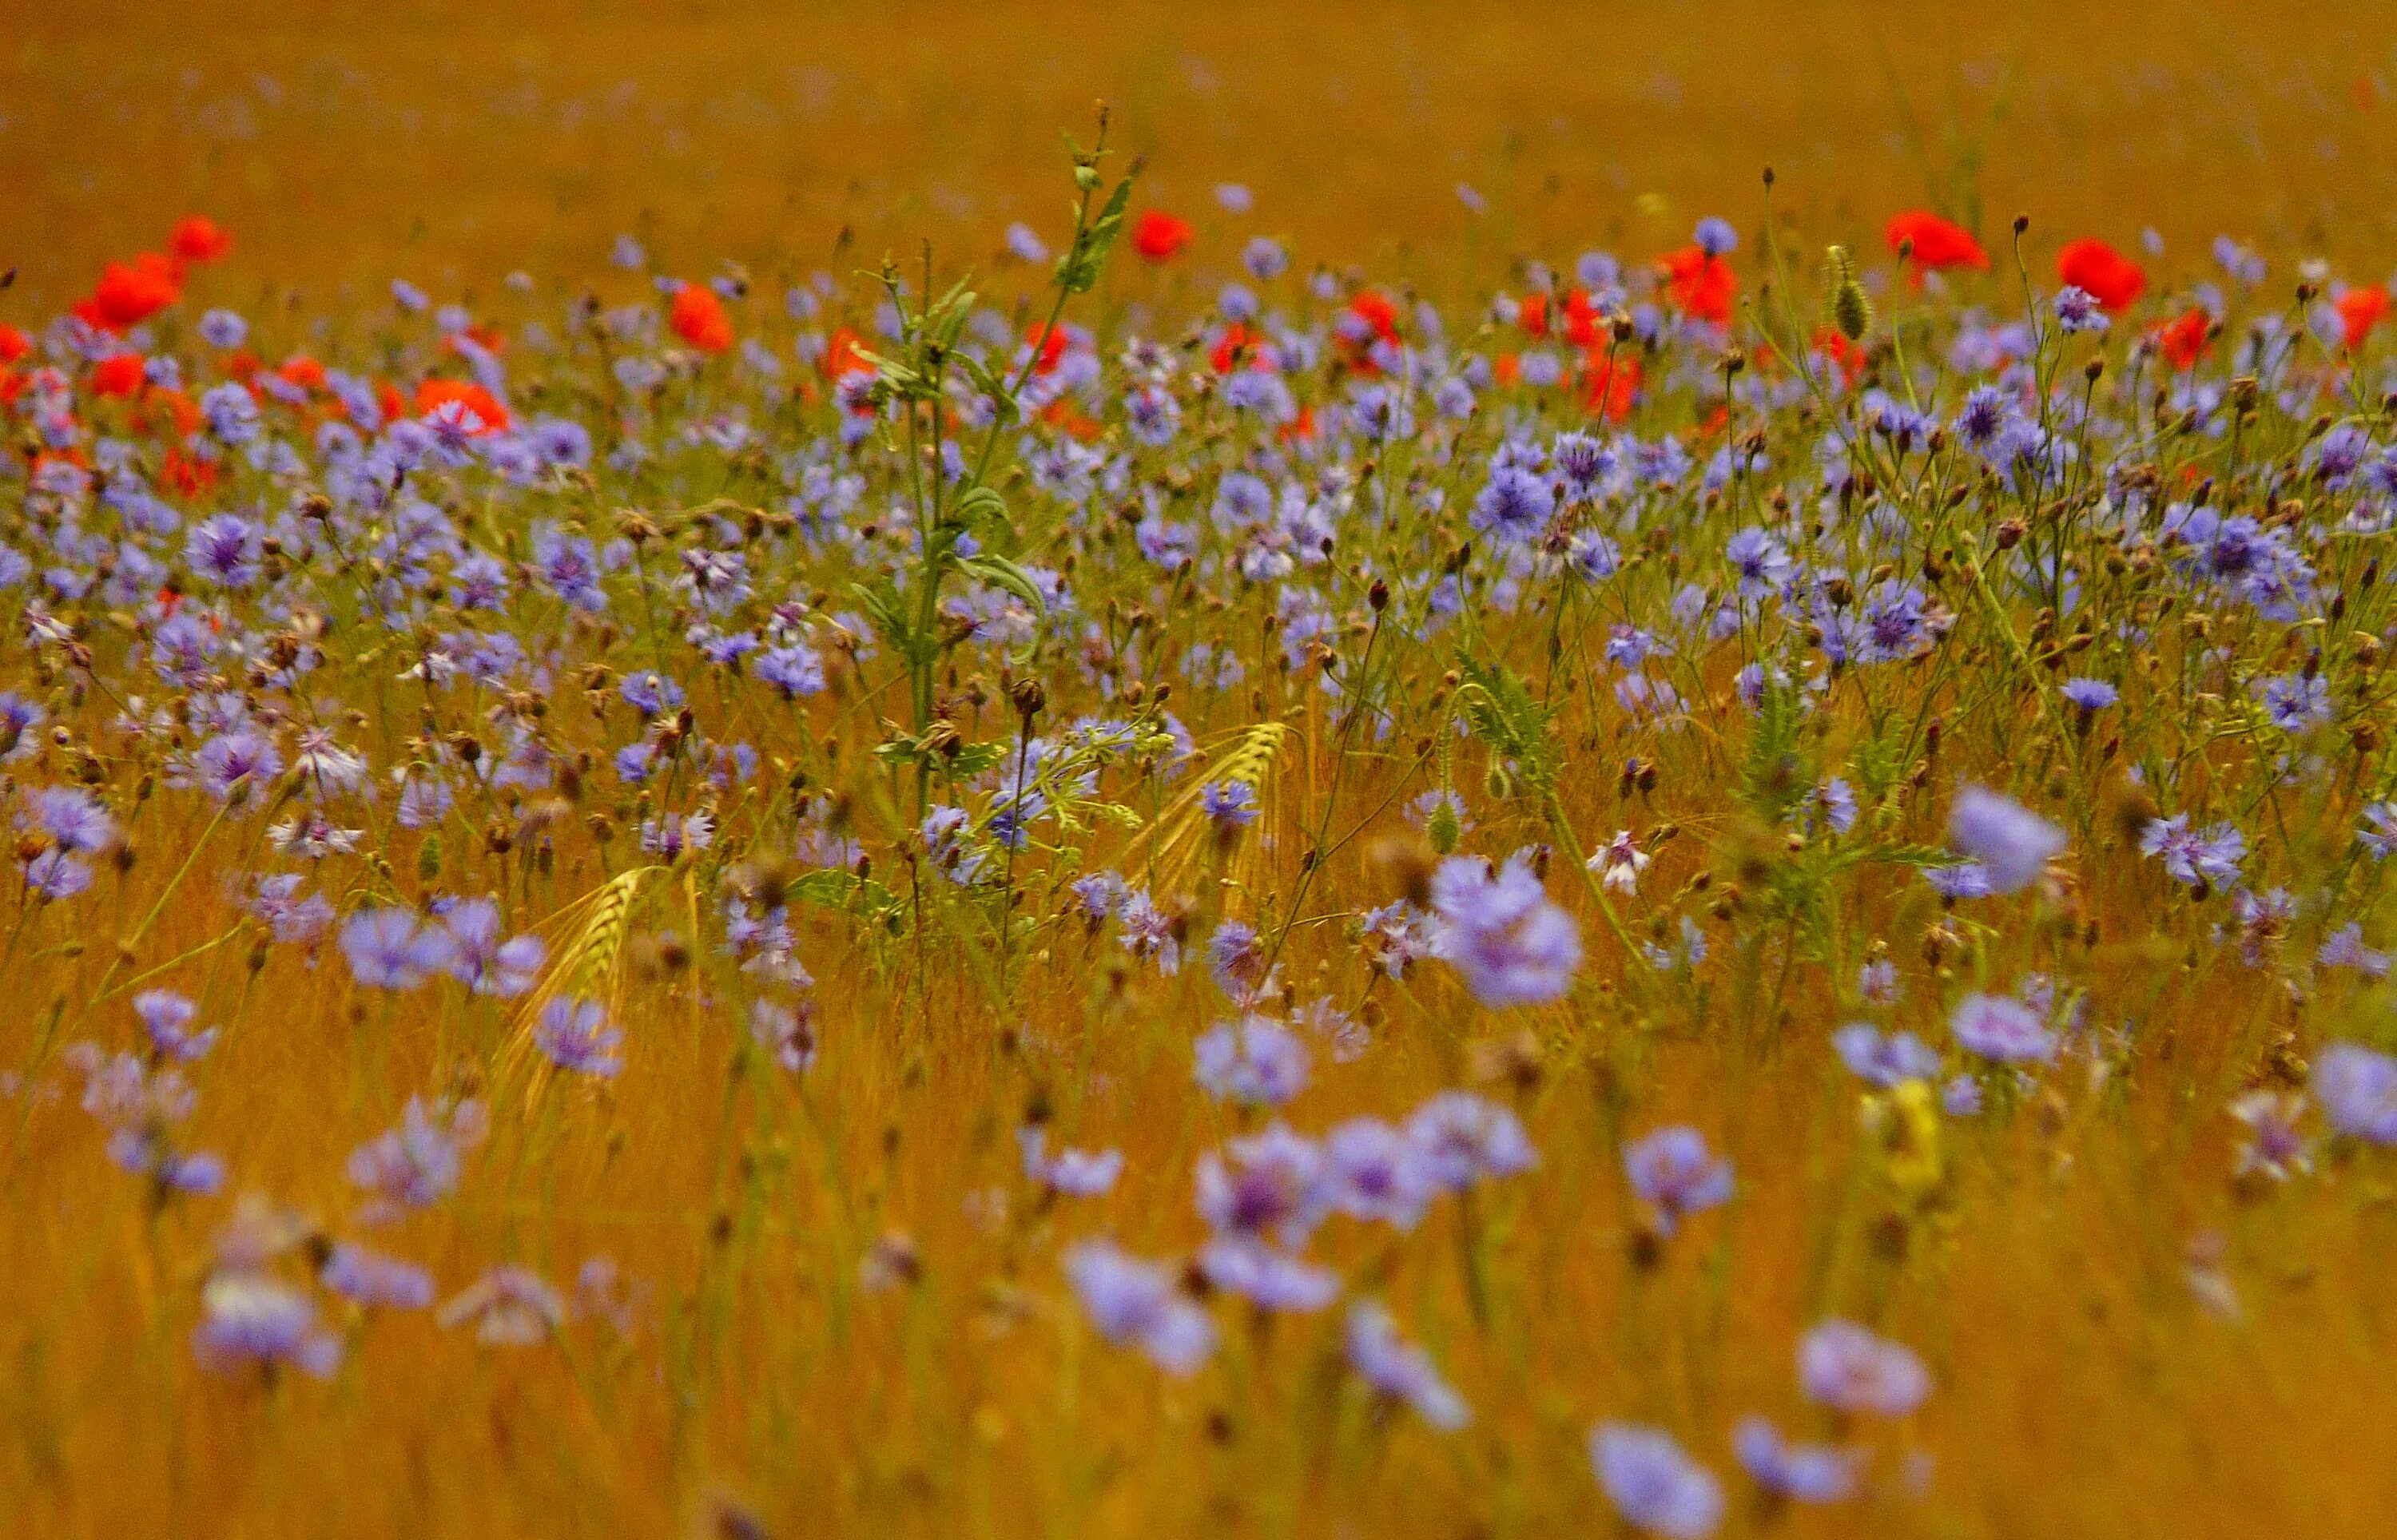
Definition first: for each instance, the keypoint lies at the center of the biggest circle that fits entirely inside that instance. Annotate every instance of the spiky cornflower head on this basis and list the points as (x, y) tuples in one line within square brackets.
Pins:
[(1653, 1483), (2211, 858), (1847, 1368), (1676, 1176)]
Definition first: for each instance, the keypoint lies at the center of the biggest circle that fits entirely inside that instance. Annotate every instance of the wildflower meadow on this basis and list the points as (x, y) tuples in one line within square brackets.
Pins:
[(1109, 877)]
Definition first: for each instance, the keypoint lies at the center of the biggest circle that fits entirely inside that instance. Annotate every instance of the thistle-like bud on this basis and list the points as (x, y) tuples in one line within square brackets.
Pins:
[(1851, 311)]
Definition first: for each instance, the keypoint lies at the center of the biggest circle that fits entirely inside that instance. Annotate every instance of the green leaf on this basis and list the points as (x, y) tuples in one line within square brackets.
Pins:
[(1000, 573), (1501, 710)]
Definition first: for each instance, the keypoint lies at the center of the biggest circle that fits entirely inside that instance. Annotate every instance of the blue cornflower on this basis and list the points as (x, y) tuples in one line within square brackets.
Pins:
[(1674, 1173)]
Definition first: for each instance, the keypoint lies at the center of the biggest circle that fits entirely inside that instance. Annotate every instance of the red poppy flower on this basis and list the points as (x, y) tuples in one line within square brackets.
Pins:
[(2359, 310), (699, 318), (1936, 244), (189, 474), (14, 344), (1048, 347), (2182, 340), (840, 355), (129, 293), (1609, 385), (303, 371), (120, 375), (1237, 344), (1158, 235), (1845, 356), (434, 394), (1699, 284), (387, 398), (180, 409), (199, 239), (2111, 278)]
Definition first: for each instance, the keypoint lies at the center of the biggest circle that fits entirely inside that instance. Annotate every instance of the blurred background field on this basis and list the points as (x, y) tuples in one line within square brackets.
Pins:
[(346, 142)]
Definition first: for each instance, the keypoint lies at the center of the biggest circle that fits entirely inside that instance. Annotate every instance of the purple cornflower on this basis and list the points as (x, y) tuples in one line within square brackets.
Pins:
[(2088, 694), (1499, 930), (1074, 1173), (794, 671), (510, 1306), (248, 1322), (1373, 1171), (1149, 931), (2297, 703), (389, 948), (1256, 1060), (70, 817), (1845, 1367), (225, 550), (2344, 948), (1463, 1138), (1885, 1060), (1653, 1483), (2208, 860), (1268, 1278), (1514, 507), (1235, 960), (1758, 558), (232, 765), (291, 916), (1808, 1473), (2273, 1146), (479, 959), (1268, 1184), (166, 1018), (1229, 804), (1138, 1304), (418, 1163), (2357, 1088), (2011, 840), (2379, 834), (2002, 1029), (2077, 311), (231, 412), (789, 1034), (370, 1278), (1715, 236), (1399, 1370), (574, 1034), (1676, 1176)]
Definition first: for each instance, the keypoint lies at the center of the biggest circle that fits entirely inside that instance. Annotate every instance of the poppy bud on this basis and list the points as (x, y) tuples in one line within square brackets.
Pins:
[(1851, 310)]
